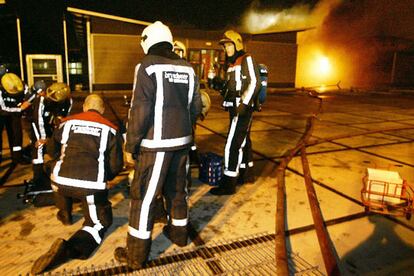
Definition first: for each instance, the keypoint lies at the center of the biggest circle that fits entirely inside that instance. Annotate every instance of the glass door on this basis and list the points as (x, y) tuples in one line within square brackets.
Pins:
[(205, 61), (44, 67)]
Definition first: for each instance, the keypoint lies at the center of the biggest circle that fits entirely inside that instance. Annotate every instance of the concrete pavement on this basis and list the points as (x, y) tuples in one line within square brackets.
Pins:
[(365, 244)]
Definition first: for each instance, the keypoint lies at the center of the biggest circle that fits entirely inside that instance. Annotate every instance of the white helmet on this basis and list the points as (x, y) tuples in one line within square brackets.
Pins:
[(155, 33)]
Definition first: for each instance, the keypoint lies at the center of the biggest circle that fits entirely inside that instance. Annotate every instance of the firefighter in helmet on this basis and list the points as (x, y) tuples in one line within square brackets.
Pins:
[(12, 93), (51, 105), (86, 152), (180, 49), (240, 93), (159, 136)]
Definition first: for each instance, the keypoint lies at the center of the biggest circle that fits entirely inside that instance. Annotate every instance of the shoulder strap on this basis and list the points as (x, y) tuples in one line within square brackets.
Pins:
[(239, 60)]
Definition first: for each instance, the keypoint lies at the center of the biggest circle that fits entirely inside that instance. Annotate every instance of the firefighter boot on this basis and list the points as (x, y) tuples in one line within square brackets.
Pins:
[(121, 254), (64, 217), (41, 181), (246, 176), (55, 256), (135, 255), (227, 186), (176, 234), (16, 157)]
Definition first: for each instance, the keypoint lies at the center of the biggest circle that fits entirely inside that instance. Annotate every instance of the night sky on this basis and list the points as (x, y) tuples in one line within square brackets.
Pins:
[(346, 21), (41, 20), (207, 14)]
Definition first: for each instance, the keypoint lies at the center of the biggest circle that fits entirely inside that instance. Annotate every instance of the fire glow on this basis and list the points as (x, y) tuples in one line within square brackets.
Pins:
[(324, 65), (316, 67), (354, 42)]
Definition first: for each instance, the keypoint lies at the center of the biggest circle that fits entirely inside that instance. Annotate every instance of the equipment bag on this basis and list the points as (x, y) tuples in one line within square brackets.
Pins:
[(211, 168)]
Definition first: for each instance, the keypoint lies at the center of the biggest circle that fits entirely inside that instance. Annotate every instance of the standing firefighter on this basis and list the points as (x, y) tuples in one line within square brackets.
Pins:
[(240, 98), (11, 97), (87, 152), (164, 107)]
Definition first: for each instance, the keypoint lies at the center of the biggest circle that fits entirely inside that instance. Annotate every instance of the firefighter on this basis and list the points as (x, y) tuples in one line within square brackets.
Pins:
[(86, 151), (240, 97), (48, 109), (180, 49), (12, 93), (164, 106), (27, 115)]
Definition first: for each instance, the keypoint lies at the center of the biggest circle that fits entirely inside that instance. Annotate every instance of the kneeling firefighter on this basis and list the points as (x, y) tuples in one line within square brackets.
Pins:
[(86, 151)]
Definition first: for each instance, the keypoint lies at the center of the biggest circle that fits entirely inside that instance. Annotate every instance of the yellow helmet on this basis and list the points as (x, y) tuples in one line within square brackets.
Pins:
[(180, 49), (12, 83), (206, 103), (58, 92), (234, 37)]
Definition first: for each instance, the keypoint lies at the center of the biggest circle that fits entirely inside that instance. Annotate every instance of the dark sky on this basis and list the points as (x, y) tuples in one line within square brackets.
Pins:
[(207, 14), (41, 20)]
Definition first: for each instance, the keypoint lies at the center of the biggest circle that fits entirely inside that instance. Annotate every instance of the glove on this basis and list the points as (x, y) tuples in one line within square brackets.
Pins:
[(39, 143), (25, 105)]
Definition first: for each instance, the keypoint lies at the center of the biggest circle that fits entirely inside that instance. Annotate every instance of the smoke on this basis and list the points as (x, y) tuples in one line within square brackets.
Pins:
[(301, 16), (358, 36), (363, 36)]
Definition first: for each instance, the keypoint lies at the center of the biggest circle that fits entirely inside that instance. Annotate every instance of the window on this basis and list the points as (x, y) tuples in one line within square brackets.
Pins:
[(75, 68)]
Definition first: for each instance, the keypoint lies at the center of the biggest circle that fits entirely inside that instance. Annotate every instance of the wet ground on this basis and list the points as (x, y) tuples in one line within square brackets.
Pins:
[(354, 131)]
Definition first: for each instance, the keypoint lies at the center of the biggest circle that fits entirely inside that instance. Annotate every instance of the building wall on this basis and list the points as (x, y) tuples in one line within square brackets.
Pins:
[(280, 59), (404, 69), (114, 59), (116, 51)]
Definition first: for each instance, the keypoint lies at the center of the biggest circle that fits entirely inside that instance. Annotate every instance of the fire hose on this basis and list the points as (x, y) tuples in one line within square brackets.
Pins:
[(327, 250)]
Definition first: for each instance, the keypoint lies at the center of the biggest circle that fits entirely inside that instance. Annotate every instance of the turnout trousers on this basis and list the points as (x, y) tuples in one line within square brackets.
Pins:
[(13, 126), (156, 173), (97, 212), (40, 179), (238, 148)]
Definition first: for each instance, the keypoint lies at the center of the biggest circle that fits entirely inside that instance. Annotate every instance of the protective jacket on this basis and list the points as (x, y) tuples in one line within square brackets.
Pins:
[(243, 82), (10, 117), (10, 104), (90, 142), (164, 105)]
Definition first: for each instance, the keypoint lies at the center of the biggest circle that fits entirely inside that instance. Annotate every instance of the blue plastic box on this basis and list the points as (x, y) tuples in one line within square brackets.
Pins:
[(211, 168)]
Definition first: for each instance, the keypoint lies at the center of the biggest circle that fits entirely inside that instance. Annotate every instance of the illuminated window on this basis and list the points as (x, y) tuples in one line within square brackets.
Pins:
[(75, 68)]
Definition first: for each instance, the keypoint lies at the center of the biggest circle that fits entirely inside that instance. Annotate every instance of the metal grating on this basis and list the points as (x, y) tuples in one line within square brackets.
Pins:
[(250, 255)]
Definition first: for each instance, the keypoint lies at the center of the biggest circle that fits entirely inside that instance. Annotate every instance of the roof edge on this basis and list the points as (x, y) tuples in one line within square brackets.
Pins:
[(284, 31), (107, 16)]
